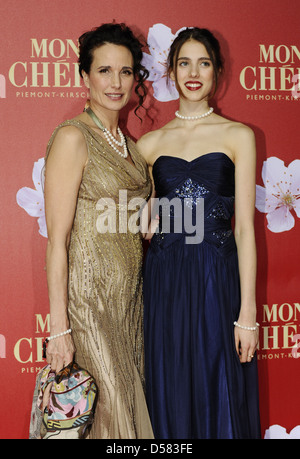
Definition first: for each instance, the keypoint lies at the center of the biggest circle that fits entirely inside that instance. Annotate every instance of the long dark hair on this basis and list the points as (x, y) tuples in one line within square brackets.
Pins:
[(207, 39), (118, 34)]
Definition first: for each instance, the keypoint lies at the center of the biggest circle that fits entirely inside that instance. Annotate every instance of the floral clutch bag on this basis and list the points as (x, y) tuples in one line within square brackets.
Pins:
[(63, 403)]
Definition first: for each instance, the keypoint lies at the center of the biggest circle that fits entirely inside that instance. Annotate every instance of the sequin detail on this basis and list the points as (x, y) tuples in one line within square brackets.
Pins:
[(222, 235), (218, 212), (192, 191), (158, 238)]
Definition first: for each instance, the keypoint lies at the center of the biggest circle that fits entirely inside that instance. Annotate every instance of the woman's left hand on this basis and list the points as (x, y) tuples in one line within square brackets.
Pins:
[(245, 342)]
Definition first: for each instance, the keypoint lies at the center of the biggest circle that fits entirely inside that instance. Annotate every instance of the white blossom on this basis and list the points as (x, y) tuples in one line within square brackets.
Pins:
[(160, 38), (280, 196), (32, 200), (276, 432)]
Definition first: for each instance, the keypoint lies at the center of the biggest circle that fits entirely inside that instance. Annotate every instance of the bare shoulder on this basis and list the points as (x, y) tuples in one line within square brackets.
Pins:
[(69, 133), (148, 143), (68, 145), (240, 139), (69, 136), (240, 132)]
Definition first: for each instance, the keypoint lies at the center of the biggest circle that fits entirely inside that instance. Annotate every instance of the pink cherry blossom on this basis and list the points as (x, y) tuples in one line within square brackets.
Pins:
[(280, 198), (32, 200), (276, 432), (160, 38)]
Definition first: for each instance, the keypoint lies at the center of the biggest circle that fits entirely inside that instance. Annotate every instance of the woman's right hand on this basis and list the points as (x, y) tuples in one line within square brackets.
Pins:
[(60, 352), (153, 227)]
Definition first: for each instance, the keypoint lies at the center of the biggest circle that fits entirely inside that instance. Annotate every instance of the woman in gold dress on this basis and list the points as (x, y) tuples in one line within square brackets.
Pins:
[(94, 277)]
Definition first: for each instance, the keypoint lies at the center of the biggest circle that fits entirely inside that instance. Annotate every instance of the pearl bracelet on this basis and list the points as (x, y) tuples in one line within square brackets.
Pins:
[(246, 328), (60, 334), (53, 337)]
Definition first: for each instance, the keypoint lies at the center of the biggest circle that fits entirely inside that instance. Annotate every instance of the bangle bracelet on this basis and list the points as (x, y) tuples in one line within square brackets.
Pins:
[(246, 328), (53, 337), (60, 334)]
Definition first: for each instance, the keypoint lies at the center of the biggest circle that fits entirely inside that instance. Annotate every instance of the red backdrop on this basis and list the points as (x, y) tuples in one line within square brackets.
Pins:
[(39, 88)]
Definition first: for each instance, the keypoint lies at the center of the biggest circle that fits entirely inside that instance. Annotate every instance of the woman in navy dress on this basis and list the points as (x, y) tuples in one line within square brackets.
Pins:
[(199, 288)]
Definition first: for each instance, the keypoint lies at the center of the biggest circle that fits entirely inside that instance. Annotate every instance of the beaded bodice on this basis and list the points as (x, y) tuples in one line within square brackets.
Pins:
[(206, 181)]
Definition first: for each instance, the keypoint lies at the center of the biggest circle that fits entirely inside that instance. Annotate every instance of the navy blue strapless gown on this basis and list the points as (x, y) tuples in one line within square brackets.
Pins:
[(196, 387)]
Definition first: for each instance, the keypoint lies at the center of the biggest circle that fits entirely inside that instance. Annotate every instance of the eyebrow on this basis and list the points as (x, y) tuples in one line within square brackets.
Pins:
[(109, 67), (200, 58)]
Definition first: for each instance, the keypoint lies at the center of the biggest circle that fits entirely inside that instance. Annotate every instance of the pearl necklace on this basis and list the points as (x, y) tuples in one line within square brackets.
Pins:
[(196, 117), (113, 142)]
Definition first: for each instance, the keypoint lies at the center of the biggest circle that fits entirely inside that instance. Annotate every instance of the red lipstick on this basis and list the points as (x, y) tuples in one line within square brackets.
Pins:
[(193, 85)]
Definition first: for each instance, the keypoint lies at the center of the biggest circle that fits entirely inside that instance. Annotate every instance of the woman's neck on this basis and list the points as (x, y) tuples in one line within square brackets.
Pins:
[(109, 118), (188, 108)]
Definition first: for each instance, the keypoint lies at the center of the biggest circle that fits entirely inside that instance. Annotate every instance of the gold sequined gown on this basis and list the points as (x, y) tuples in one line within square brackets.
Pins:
[(105, 289)]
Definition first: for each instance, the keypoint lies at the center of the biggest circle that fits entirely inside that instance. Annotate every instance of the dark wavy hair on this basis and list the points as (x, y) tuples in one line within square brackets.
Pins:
[(118, 34), (207, 39)]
